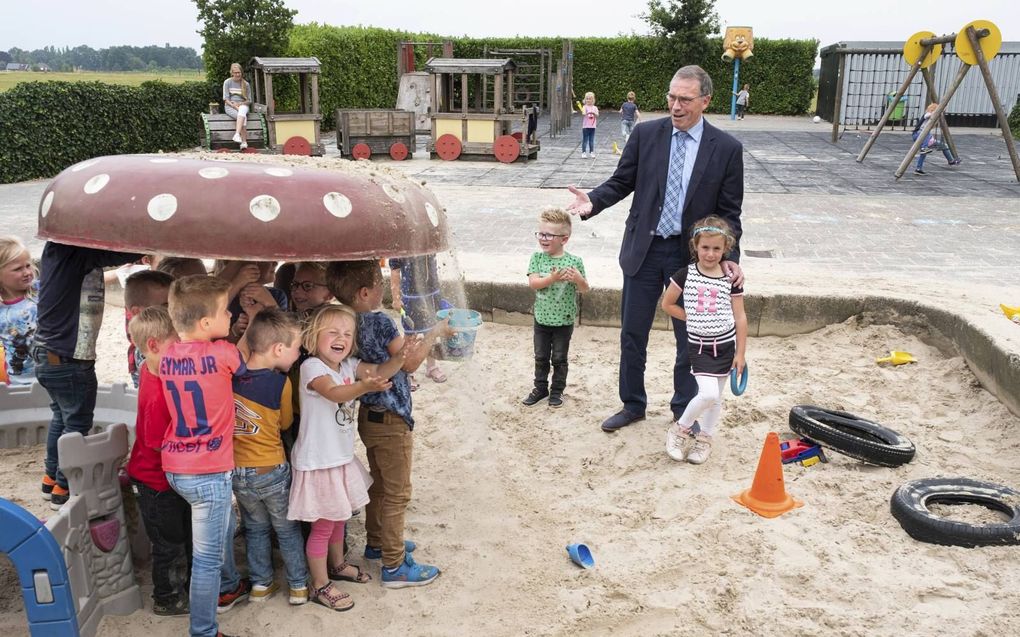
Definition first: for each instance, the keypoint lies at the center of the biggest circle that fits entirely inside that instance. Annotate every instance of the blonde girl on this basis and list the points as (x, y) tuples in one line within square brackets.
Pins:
[(237, 102), (589, 120), (329, 481), (19, 287), (713, 308)]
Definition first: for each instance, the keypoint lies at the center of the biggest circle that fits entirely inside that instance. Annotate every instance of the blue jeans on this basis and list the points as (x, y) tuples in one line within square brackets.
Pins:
[(588, 139), (928, 142), (72, 385), (263, 500), (212, 528), (626, 126)]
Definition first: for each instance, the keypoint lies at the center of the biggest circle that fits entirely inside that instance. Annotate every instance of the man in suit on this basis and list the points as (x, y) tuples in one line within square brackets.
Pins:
[(680, 169)]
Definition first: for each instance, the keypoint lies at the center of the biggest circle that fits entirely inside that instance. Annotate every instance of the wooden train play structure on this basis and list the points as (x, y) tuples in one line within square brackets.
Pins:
[(362, 133), (295, 132), (473, 112)]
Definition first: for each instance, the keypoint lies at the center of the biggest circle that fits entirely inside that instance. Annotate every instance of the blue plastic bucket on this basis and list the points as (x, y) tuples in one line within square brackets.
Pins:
[(464, 323)]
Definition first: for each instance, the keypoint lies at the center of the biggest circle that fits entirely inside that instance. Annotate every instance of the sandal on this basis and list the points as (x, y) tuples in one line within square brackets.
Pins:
[(412, 382), (337, 574), (332, 598), (436, 374)]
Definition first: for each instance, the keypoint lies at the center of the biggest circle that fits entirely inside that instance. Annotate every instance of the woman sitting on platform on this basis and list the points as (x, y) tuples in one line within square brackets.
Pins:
[(236, 102)]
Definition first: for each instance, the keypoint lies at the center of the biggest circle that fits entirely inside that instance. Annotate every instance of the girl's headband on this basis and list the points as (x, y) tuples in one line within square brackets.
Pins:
[(709, 229)]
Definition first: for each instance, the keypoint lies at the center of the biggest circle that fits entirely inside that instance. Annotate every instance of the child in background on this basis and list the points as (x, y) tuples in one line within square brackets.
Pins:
[(262, 477), (414, 287), (743, 98), (198, 450), (589, 120), (179, 267), (930, 142), (19, 288), (166, 515), (308, 289), (385, 423), (329, 481), (629, 116), (249, 287), (556, 276), (716, 334), (70, 312), (145, 288)]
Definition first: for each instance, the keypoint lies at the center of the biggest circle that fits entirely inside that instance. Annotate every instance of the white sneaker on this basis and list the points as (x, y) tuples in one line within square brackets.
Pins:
[(244, 145), (584, 155), (237, 137), (675, 439), (700, 450)]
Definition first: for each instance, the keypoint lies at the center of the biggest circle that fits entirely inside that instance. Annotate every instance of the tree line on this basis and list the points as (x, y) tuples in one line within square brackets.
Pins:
[(115, 58)]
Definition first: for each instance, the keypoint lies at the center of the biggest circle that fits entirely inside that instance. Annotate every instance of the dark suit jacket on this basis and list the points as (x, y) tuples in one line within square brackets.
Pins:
[(716, 187)]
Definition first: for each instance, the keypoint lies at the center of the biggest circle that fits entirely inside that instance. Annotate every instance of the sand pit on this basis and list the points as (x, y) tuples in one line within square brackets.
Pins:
[(500, 489)]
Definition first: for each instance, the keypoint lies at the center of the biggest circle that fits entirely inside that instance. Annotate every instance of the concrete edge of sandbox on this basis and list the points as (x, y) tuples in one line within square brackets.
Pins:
[(783, 314)]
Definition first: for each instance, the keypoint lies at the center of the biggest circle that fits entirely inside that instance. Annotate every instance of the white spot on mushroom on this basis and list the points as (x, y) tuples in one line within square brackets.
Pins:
[(338, 205), (279, 172), (44, 207), (214, 172), (164, 160), (393, 192), (97, 183), (162, 207), (430, 210), (264, 208), (83, 165)]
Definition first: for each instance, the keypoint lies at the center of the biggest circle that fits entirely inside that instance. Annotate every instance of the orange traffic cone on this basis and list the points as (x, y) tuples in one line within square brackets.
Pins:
[(767, 496)]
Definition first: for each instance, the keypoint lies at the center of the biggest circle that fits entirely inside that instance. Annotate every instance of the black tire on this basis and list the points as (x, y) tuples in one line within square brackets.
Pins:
[(852, 436), (909, 505)]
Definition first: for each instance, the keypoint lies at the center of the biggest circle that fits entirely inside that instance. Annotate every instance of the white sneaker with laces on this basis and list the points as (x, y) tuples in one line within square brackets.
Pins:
[(237, 137), (700, 450), (675, 439), (244, 145)]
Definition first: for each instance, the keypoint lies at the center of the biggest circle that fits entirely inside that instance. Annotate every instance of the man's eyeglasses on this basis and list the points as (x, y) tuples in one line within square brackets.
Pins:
[(307, 286), (683, 99), (545, 236)]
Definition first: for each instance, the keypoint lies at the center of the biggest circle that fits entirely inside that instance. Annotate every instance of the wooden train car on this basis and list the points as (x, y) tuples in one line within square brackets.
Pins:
[(361, 133), (290, 132), (473, 111)]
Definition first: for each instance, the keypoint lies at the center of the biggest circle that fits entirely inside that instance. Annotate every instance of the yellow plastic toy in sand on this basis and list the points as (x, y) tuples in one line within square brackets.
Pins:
[(616, 148), (1012, 313), (897, 358)]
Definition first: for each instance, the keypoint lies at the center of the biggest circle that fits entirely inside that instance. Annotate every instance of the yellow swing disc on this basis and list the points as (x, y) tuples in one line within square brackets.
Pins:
[(913, 48), (990, 44)]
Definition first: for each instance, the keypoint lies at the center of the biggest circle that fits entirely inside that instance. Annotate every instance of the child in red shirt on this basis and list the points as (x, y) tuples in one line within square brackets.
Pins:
[(198, 450), (166, 515)]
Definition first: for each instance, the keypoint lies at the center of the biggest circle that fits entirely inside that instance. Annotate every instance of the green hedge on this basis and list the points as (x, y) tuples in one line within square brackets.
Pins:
[(48, 126), (1014, 121)]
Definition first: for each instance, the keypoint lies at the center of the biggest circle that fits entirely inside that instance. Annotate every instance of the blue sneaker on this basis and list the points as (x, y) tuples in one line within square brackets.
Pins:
[(372, 553), (409, 574)]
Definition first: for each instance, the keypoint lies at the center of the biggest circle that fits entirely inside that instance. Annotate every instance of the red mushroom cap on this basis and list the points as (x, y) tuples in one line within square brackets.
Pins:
[(240, 210)]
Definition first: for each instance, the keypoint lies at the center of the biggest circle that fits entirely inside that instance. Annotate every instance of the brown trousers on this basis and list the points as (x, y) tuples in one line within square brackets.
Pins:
[(389, 445)]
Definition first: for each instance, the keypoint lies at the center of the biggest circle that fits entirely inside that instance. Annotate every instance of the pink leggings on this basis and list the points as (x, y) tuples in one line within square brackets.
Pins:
[(324, 532)]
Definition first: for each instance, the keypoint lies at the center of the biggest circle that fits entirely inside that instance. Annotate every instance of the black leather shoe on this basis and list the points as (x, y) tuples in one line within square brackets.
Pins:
[(535, 396), (620, 419)]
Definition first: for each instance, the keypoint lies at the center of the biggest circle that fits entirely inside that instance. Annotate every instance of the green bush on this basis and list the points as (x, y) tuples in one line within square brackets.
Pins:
[(1014, 121), (49, 126)]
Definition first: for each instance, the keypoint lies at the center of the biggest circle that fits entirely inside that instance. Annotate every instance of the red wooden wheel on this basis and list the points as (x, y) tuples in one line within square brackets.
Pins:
[(398, 151), (506, 149), (361, 151), (297, 145), (448, 147)]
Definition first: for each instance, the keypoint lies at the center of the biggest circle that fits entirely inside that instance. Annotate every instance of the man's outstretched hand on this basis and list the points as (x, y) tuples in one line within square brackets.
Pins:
[(581, 205)]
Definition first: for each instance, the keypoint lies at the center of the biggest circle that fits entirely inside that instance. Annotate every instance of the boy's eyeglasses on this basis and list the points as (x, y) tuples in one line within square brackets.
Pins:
[(307, 286), (545, 236)]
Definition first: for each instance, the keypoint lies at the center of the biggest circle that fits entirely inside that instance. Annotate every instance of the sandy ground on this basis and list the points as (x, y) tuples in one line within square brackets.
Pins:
[(500, 489)]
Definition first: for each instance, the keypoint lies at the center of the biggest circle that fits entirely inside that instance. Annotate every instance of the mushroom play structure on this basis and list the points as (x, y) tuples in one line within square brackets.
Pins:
[(241, 210)]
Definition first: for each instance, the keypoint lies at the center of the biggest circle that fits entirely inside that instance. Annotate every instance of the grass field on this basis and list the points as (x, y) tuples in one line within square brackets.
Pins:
[(12, 78)]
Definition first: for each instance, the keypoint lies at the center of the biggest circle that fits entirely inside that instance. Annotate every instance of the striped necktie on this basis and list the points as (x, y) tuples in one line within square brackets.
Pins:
[(669, 221)]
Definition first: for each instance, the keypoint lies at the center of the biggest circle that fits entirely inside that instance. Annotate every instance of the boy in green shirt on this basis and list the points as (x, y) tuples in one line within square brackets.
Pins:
[(556, 276)]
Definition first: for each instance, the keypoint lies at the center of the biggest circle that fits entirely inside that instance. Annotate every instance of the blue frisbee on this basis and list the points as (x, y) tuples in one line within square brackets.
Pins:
[(738, 383)]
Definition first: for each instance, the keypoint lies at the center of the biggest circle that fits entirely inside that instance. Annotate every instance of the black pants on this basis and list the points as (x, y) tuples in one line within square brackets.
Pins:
[(552, 344), (167, 519)]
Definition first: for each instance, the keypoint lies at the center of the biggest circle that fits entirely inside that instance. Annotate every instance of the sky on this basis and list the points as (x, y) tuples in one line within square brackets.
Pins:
[(104, 23)]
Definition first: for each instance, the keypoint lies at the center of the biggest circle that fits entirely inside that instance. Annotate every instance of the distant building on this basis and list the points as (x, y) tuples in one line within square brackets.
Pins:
[(17, 66)]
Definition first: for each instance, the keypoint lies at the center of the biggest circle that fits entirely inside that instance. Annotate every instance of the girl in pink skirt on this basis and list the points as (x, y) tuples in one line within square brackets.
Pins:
[(329, 481)]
